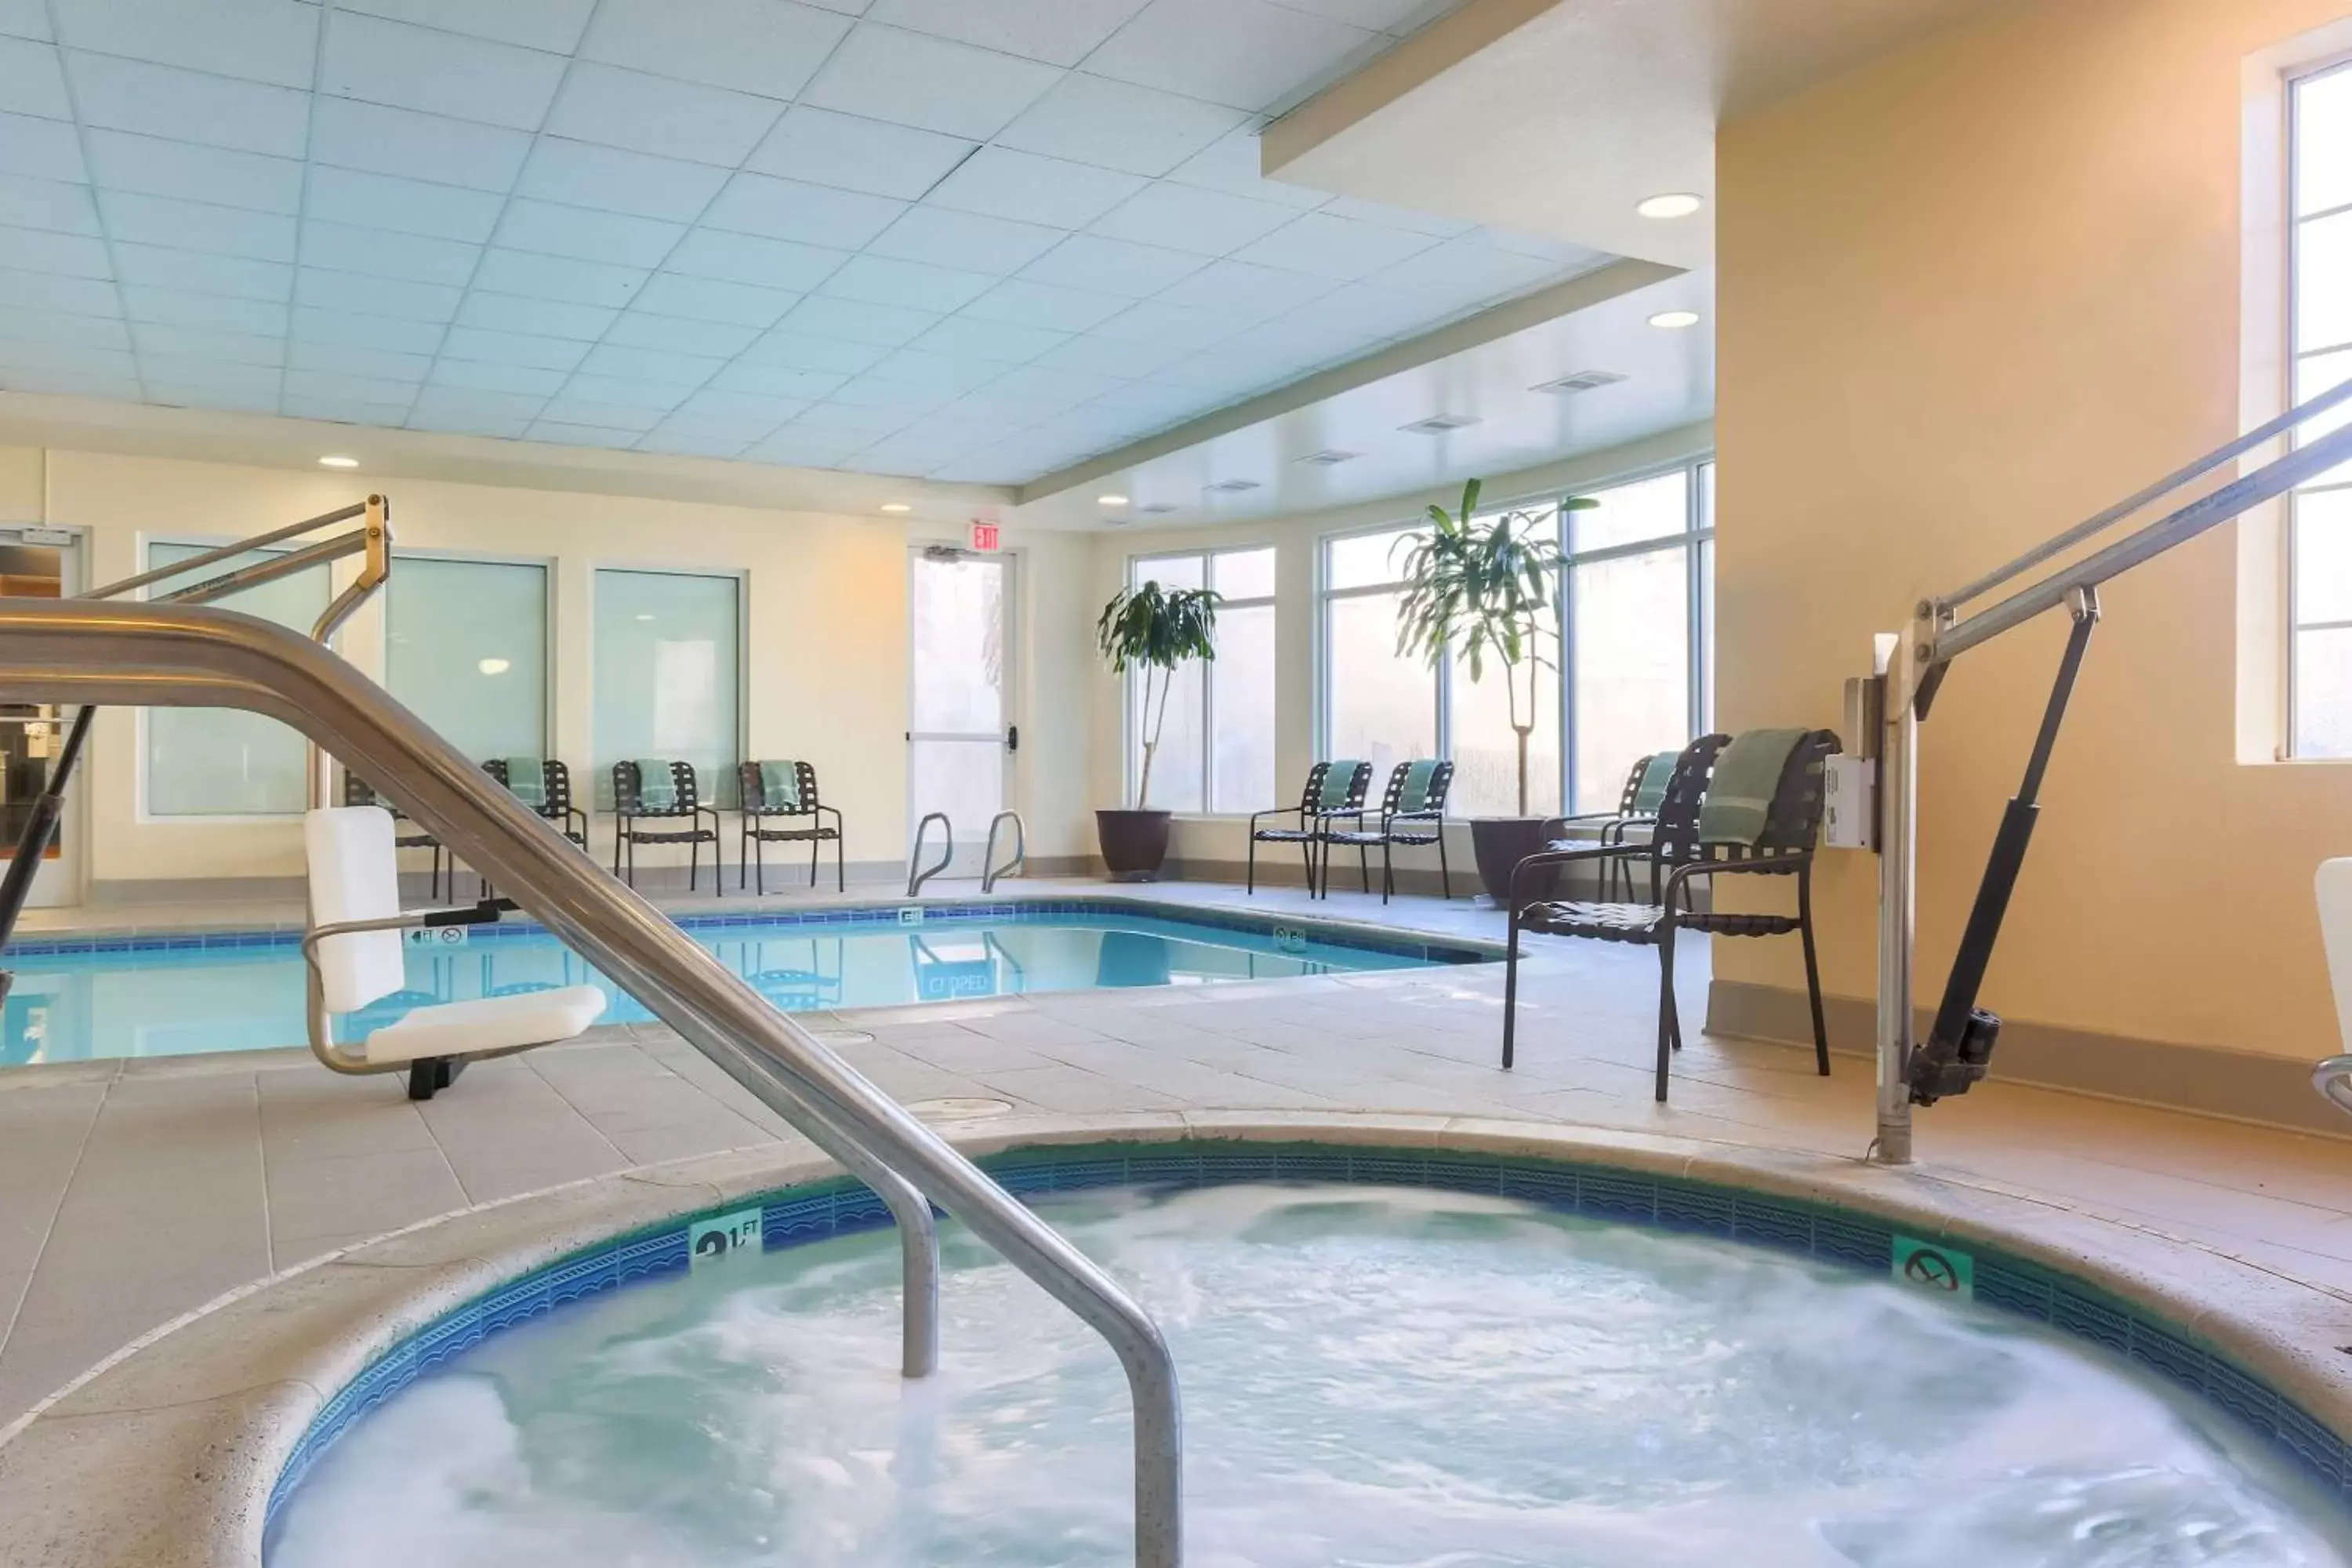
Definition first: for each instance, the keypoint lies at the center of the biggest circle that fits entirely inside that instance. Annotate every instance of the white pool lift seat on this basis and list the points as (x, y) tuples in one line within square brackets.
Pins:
[(354, 953), (2334, 887)]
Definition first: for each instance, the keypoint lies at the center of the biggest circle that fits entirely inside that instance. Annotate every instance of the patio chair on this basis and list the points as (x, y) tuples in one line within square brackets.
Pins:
[(785, 791), (1637, 807), (657, 789), (1413, 813), (543, 784), (1744, 805), (1334, 790), (357, 791)]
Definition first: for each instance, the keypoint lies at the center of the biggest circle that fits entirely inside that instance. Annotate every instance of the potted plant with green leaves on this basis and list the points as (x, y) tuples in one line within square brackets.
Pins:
[(1156, 630), (1484, 592)]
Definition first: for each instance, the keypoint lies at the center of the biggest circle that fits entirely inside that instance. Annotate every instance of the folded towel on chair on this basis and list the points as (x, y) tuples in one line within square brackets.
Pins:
[(780, 786), (657, 785), (1650, 792), (1747, 776), (1338, 783), (1413, 796), (527, 781)]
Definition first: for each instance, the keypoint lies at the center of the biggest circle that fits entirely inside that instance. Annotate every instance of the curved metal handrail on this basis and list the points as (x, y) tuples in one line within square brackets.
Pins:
[(153, 655), (917, 872), (2333, 1077), (989, 870)]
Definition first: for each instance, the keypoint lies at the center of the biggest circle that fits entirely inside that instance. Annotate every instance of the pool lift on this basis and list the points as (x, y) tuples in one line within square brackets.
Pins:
[(1888, 707)]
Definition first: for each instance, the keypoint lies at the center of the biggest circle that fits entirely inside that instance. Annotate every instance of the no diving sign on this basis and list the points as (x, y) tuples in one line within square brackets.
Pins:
[(1932, 1266)]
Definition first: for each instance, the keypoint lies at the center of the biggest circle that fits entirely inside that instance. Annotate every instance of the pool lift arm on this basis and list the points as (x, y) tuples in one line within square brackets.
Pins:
[(1910, 671)]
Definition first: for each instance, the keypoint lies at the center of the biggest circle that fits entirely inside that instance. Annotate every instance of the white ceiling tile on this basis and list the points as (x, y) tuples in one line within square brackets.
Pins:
[(871, 421), (261, 40), (325, 289), (188, 106), (1002, 183), (1461, 271), (872, 155), (1215, 377), (57, 327), (564, 433), (885, 73), (689, 440), (1397, 218), (60, 206), (1333, 247), (554, 229), (393, 63), (751, 258), (641, 329), (566, 409), (806, 447), (1112, 266), (767, 46), (718, 406), (417, 146), (1097, 424), (1043, 386), (616, 180), (965, 240), (198, 226), (1247, 54), (1370, 311), (969, 337), (527, 350), (653, 114), (1161, 403), (1058, 32), (258, 396), (383, 253), (1231, 163), (482, 375), (382, 333), (1559, 252), (1173, 326), (911, 375), (385, 202), (1109, 356), (180, 308), (202, 342), (345, 359), (31, 81), (22, 355), (25, 19), (1032, 304), (662, 366), (558, 278), (191, 371), (46, 250), (1245, 289), (793, 209), (913, 285), (554, 26), (45, 148), (1092, 120), (799, 351), (120, 161), (1189, 217), (323, 385), (777, 381), (166, 267), (534, 316), (713, 299), (344, 410), (481, 413), (54, 292), (615, 392)]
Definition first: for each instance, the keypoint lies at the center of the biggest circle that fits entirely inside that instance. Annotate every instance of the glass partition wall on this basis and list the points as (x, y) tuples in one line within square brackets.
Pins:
[(669, 677), (466, 648)]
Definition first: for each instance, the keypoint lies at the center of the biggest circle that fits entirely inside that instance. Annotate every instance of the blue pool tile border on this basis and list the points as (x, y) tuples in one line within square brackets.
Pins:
[(1847, 1238)]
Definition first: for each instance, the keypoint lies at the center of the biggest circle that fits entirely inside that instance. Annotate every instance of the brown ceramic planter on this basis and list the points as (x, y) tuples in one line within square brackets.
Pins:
[(1134, 843), (1499, 844)]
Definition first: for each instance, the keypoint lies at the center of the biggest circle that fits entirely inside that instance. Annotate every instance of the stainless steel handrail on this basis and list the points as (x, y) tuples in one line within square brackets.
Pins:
[(917, 872), (989, 870), (2333, 1077), (152, 655)]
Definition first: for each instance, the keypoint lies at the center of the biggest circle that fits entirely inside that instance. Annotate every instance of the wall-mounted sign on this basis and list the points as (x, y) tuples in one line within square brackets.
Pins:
[(985, 537)]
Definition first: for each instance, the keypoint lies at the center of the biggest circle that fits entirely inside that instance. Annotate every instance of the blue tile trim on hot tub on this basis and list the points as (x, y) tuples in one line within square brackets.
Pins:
[(1846, 1238)]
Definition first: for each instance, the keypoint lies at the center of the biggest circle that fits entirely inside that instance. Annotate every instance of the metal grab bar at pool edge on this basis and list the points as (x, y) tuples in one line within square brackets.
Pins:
[(156, 655), (917, 872), (2333, 1077), (989, 870)]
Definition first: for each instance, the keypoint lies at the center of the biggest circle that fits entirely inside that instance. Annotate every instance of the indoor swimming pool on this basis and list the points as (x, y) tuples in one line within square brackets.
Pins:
[(1385, 1376), (81, 998)]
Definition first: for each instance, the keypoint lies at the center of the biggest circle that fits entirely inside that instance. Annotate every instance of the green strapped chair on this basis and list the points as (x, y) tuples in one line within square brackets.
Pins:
[(1333, 790), (1413, 813), (784, 790), (655, 789), (357, 791), (1749, 803), (543, 784), (1637, 806)]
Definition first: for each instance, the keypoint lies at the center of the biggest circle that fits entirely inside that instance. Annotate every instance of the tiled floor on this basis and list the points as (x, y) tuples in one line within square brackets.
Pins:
[(226, 1168)]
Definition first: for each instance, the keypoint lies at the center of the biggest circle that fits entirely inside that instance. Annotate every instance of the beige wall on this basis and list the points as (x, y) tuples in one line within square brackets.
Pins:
[(1967, 297), (826, 675)]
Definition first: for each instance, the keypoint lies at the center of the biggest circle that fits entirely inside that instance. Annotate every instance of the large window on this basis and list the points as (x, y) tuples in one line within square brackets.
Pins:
[(2320, 292), (208, 762), (669, 660), (466, 648), (1216, 745)]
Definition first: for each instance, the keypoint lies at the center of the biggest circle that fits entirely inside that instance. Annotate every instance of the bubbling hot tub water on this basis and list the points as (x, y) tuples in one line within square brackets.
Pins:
[(1373, 1378)]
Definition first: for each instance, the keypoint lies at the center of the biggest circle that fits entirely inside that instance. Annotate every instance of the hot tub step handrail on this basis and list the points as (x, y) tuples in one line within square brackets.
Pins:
[(989, 869), (158, 655), (2333, 1077), (917, 872)]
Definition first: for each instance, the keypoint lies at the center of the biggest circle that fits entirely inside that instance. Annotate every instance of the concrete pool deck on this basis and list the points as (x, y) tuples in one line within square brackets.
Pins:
[(132, 1193)]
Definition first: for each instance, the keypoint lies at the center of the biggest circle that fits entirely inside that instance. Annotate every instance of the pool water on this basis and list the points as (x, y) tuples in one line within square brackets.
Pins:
[(1371, 1377), (151, 1001)]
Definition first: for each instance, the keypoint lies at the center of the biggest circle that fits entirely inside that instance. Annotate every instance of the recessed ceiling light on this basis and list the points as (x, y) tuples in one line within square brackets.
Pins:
[(338, 462), (895, 508), (1583, 381), (1439, 424), (1674, 320), (1110, 501), (1673, 203)]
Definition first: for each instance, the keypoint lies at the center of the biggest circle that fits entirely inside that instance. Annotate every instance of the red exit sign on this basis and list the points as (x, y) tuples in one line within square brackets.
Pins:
[(984, 538)]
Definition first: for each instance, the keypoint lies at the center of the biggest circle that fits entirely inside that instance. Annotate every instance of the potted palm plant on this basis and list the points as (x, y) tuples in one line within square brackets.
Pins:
[(1156, 630), (1483, 592)]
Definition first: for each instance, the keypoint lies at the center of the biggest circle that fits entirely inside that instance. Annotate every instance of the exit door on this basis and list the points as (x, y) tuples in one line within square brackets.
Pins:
[(962, 736)]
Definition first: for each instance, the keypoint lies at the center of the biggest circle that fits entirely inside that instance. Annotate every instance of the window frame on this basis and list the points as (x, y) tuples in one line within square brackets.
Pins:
[(1131, 757), (587, 798), (2291, 360)]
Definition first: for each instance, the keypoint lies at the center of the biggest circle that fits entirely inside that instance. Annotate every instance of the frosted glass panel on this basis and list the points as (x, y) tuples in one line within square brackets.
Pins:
[(1175, 784), (959, 629), (1242, 680), (219, 761), (1486, 748), (668, 653), (1632, 616), (1629, 513), (1383, 703), (466, 647)]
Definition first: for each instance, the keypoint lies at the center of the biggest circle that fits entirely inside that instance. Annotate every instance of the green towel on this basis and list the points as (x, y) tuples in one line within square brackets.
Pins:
[(1650, 794), (780, 786), (1338, 783), (1747, 776), (1415, 794), (657, 785), (527, 781)]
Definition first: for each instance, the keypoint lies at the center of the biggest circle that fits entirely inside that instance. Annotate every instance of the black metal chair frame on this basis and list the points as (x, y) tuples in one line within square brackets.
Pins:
[(357, 791), (1314, 822), (628, 809), (1430, 818), (555, 804), (751, 786), (1785, 848), (1611, 827)]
